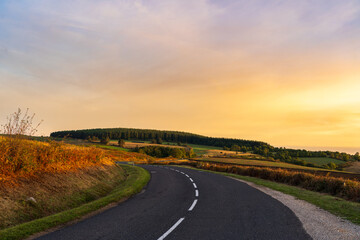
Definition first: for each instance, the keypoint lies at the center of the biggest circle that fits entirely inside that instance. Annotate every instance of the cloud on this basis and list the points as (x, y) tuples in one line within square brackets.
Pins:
[(252, 69)]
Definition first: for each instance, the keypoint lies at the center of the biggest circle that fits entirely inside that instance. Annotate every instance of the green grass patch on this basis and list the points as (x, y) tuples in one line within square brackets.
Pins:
[(136, 180), (321, 160), (202, 149), (337, 206), (113, 148)]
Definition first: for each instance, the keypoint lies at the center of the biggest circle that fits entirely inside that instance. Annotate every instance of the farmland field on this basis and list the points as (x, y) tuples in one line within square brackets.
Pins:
[(321, 160), (113, 147), (202, 149), (355, 167), (257, 163)]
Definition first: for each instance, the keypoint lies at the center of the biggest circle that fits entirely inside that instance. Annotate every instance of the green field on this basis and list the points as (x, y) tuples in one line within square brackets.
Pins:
[(198, 149), (201, 149), (321, 160), (113, 147)]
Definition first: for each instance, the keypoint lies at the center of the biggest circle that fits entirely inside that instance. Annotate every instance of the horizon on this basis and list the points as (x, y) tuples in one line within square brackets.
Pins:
[(285, 73)]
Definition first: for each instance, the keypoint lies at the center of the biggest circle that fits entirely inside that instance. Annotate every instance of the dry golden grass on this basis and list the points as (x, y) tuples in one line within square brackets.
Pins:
[(216, 152), (55, 192), (260, 163), (20, 157), (123, 156)]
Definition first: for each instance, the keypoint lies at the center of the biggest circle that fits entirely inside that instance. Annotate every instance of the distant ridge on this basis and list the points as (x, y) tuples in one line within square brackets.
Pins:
[(149, 134)]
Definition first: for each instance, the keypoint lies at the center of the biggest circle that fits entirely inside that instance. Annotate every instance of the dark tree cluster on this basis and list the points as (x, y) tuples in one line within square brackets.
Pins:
[(158, 137), (162, 152)]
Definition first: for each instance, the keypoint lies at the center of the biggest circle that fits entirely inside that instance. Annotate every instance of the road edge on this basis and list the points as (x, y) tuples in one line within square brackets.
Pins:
[(319, 223)]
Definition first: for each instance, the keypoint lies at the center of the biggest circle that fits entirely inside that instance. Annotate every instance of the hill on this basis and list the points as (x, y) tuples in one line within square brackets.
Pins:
[(149, 134), (294, 156)]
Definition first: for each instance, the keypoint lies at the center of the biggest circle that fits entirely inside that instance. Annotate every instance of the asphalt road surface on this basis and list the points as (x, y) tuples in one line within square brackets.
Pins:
[(181, 203)]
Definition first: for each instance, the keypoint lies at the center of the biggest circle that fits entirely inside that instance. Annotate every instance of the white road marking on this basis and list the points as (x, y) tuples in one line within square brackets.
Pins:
[(171, 229), (190, 209), (193, 205)]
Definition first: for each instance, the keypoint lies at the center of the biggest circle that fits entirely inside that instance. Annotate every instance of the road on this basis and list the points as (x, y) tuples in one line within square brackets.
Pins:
[(181, 203)]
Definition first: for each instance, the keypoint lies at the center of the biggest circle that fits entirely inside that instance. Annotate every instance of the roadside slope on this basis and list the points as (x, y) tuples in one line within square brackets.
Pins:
[(81, 194)]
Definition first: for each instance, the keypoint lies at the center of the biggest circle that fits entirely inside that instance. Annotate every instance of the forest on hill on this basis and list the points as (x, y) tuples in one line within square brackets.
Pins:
[(148, 135)]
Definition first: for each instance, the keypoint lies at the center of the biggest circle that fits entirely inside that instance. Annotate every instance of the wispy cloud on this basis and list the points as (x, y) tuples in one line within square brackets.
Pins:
[(248, 69)]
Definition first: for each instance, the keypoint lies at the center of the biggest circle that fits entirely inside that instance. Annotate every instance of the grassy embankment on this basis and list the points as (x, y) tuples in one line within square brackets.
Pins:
[(260, 163), (66, 182)]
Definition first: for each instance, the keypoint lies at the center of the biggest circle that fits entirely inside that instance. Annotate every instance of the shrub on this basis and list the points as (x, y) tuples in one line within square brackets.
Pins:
[(162, 152), (105, 140), (121, 143)]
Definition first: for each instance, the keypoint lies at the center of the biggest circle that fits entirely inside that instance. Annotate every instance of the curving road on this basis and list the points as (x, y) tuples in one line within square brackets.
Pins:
[(181, 203)]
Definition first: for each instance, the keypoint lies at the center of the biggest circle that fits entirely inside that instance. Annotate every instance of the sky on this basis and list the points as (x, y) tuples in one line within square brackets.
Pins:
[(283, 72)]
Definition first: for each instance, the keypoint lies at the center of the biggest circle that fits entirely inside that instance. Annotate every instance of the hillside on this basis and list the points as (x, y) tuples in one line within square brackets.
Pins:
[(238, 145), (149, 134)]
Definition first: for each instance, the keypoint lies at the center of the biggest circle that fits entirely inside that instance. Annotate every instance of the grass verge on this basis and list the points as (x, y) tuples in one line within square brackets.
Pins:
[(337, 206), (136, 180)]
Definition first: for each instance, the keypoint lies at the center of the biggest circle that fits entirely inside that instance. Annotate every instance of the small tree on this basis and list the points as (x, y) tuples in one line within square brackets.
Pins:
[(357, 156), (105, 140), (94, 139), (159, 140), (121, 143)]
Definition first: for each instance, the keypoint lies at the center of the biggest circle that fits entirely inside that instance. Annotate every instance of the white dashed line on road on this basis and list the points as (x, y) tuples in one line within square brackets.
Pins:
[(193, 205), (171, 229), (190, 209)]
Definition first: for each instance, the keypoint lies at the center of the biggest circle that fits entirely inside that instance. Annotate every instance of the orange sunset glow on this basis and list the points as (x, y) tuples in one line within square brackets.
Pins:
[(283, 72)]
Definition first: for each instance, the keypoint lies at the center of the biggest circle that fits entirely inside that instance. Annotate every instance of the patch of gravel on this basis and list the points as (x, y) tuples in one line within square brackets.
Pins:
[(318, 223)]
